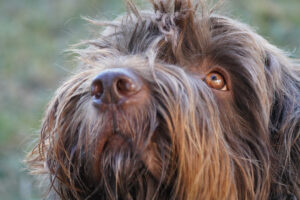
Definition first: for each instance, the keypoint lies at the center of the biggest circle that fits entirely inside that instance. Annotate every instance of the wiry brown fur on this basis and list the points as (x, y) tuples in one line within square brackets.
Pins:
[(186, 140)]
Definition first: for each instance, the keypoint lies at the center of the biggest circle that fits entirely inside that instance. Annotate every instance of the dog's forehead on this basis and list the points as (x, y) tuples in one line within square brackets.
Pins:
[(214, 37)]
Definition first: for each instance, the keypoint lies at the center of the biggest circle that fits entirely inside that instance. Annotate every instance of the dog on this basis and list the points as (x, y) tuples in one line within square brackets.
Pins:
[(173, 103)]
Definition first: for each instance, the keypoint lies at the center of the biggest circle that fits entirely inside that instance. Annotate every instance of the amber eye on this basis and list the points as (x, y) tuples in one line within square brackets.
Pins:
[(216, 81)]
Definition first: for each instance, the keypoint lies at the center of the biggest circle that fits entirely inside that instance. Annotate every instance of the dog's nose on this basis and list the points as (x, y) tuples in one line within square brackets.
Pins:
[(115, 86)]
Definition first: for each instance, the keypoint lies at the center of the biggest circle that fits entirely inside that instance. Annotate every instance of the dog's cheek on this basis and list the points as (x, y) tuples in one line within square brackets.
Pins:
[(224, 99), (152, 161), (225, 107)]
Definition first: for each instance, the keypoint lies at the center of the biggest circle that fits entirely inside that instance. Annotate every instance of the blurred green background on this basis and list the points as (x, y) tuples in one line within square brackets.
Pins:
[(33, 36)]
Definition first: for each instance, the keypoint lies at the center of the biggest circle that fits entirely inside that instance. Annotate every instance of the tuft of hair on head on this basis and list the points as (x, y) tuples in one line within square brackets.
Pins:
[(173, 31), (184, 26)]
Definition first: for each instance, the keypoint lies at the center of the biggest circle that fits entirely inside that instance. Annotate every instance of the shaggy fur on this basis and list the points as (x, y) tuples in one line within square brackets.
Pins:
[(184, 140)]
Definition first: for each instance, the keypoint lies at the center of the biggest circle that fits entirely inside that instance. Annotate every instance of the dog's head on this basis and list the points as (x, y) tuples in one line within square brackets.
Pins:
[(174, 103)]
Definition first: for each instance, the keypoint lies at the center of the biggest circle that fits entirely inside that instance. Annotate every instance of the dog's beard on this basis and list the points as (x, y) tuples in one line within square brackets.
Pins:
[(117, 154)]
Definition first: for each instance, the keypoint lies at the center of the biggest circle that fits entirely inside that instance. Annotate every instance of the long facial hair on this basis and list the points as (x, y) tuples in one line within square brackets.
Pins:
[(182, 141)]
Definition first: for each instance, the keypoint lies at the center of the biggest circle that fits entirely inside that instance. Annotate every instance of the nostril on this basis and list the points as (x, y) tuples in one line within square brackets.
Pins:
[(126, 86), (97, 89)]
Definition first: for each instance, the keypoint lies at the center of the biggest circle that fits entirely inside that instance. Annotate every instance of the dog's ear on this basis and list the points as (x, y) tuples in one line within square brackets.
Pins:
[(283, 76)]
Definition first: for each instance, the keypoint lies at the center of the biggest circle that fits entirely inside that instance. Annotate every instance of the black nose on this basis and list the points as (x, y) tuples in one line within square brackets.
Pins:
[(115, 86)]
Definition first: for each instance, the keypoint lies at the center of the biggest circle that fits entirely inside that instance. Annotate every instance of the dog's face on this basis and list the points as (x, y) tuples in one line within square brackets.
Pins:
[(174, 105)]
